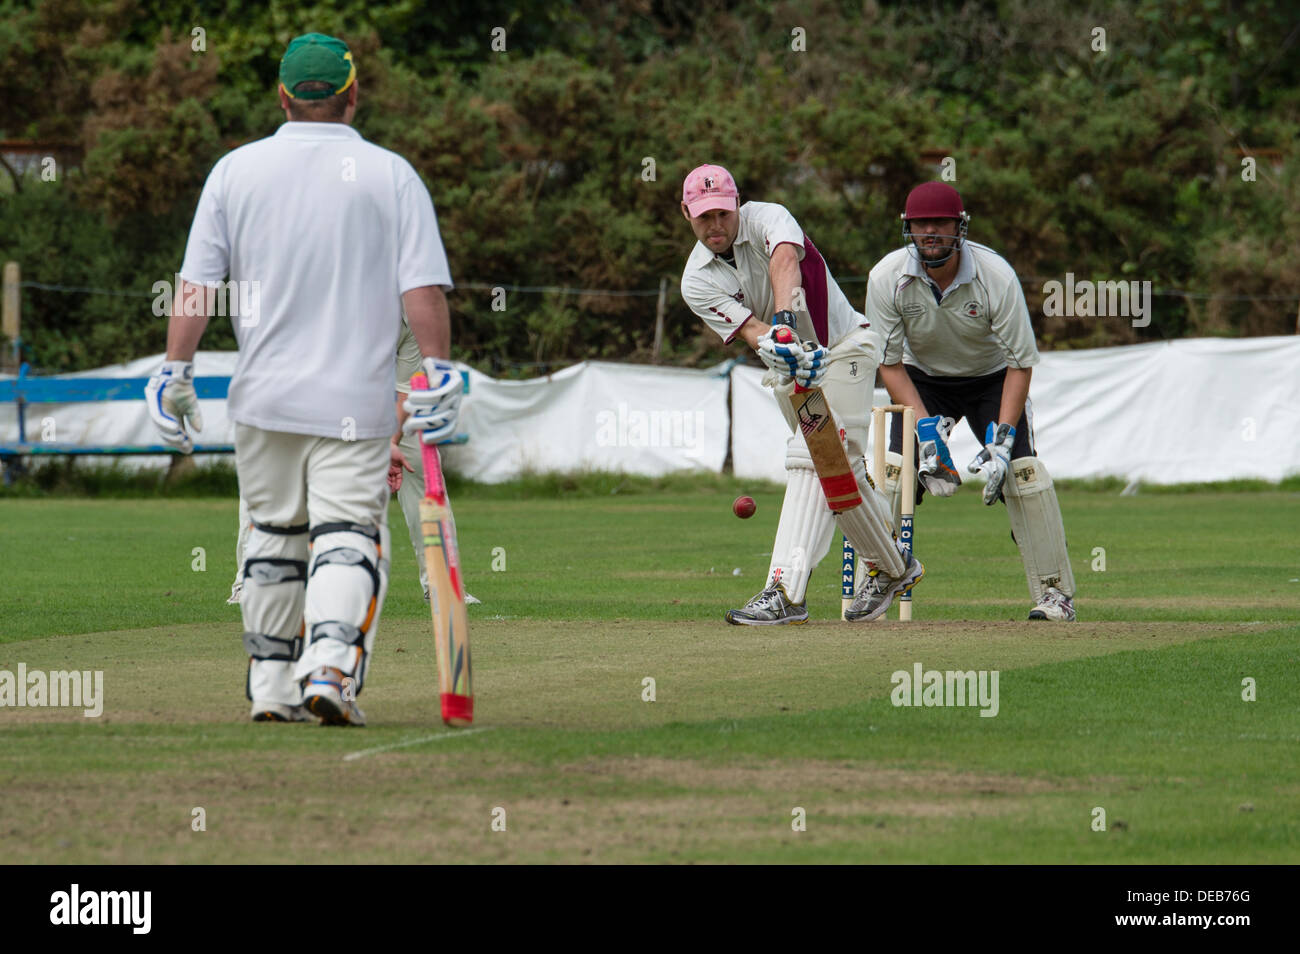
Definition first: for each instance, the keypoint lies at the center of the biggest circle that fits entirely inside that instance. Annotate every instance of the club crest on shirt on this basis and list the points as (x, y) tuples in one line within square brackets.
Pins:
[(971, 308), (739, 295)]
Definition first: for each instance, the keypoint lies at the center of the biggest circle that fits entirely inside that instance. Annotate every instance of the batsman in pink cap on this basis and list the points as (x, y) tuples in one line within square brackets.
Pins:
[(753, 267), (956, 342)]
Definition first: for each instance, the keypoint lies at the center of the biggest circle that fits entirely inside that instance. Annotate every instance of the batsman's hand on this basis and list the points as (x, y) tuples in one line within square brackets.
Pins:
[(397, 462), (433, 411), (812, 366), (784, 359), (804, 361), (172, 402), (994, 459), (936, 471)]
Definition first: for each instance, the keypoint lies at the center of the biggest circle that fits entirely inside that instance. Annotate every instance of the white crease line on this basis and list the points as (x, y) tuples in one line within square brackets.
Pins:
[(455, 734)]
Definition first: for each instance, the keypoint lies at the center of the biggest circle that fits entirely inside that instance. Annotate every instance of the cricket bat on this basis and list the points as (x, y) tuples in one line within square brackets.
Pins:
[(446, 588), (822, 435)]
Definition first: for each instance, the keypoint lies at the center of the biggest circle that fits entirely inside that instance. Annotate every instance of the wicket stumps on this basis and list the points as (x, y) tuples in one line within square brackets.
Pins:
[(907, 488)]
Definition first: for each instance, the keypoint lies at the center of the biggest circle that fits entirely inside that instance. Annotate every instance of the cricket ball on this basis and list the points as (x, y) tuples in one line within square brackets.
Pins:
[(744, 507)]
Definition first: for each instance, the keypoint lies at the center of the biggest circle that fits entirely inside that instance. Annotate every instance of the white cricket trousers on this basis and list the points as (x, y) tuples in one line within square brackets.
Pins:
[(293, 485)]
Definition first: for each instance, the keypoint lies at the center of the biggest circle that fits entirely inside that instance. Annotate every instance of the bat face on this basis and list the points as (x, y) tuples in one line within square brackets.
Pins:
[(822, 436), (829, 458)]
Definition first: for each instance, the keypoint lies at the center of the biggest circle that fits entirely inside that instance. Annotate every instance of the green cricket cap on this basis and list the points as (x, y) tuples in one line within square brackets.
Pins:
[(315, 56)]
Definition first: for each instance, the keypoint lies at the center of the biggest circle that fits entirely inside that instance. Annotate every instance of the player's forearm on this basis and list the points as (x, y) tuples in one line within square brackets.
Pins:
[(783, 270), (184, 331), (1015, 391), (901, 389), (401, 416), (752, 330), (430, 320)]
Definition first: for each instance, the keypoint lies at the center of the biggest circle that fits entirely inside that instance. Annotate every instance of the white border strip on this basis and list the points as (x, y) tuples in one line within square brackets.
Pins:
[(454, 734)]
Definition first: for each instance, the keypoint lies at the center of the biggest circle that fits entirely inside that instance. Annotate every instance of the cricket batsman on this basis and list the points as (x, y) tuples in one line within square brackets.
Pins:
[(753, 267), (956, 342), (339, 235)]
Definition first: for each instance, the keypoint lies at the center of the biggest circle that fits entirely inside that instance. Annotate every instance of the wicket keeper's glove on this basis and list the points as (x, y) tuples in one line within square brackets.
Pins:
[(994, 459), (172, 401), (434, 410), (936, 472)]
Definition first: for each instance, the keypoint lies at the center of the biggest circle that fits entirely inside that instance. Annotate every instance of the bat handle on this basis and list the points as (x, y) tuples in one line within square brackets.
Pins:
[(434, 486), (785, 335)]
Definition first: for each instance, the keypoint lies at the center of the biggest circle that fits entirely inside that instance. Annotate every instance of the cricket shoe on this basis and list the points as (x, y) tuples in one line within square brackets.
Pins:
[(772, 607), (323, 693), (236, 594), (1054, 605), (280, 712), (878, 592)]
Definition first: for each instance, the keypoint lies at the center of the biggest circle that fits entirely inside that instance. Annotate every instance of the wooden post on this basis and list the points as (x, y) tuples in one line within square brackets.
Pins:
[(659, 319), (10, 320)]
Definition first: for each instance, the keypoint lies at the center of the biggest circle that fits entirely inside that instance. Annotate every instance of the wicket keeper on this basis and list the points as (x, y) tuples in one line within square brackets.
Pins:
[(956, 341)]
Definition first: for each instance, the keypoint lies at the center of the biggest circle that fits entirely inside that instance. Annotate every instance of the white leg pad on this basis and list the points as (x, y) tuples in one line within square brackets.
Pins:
[(868, 529), (274, 578), (803, 534), (346, 585), (1036, 524)]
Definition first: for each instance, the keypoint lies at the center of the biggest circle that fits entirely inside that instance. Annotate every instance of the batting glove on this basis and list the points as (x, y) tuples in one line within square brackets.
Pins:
[(994, 459), (172, 402), (812, 366), (936, 472), (784, 359), (434, 410)]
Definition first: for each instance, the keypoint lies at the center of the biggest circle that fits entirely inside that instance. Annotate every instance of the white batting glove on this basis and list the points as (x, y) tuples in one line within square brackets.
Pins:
[(994, 459), (434, 410), (812, 366), (784, 359), (172, 401)]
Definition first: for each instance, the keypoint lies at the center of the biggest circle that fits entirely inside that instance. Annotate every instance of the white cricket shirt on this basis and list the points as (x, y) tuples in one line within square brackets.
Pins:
[(980, 324), (333, 229), (726, 296)]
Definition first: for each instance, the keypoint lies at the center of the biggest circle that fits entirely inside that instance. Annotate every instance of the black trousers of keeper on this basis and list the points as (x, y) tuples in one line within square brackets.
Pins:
[(977, 399)]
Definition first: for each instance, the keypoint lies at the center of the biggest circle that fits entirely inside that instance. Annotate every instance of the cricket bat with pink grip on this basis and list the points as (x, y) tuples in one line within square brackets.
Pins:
[(446, 589)]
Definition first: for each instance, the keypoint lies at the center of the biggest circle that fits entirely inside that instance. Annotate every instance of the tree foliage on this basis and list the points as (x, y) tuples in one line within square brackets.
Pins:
[(1124, 162)]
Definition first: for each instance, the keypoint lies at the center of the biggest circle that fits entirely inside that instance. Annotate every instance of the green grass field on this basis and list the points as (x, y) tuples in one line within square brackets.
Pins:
[(1136, 708)]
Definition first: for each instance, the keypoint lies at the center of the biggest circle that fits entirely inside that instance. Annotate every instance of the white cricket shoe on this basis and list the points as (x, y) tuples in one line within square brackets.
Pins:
[(1054, 605), (236, 593), (772, 607), (323, 696), (878, 591), (280, 712)]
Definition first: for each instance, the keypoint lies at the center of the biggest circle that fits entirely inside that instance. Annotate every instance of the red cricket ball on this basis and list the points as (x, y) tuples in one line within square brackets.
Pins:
[(744, 507)]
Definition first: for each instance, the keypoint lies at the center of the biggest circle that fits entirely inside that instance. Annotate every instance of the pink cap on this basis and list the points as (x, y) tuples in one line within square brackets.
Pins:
[(707, 188)]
